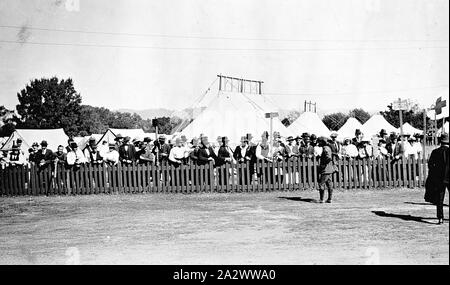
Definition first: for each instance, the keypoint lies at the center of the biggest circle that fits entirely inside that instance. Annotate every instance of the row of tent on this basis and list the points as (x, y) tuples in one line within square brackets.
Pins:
[(56, 137), (235, 114)]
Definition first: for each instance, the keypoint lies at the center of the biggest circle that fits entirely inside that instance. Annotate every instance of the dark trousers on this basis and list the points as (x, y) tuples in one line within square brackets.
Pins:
[(326, 181), (440, 204)]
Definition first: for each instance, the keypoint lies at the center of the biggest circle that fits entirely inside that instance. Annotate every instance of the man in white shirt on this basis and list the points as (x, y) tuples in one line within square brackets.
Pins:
[(177, 154), (75, 157), (111, 157)]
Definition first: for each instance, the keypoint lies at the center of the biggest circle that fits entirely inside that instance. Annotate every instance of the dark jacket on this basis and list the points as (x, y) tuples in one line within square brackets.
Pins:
[(222, 154), (237, 155), (335, 147), (127, 155), (438, 174), (47, 157), (438, 165), (326, 161), (203, 155)]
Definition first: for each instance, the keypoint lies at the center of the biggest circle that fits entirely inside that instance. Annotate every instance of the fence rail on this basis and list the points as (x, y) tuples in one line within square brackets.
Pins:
[(284, 176)]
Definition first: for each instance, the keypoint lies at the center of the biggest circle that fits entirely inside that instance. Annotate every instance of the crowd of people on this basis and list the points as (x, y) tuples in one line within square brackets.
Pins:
[(200, 151)]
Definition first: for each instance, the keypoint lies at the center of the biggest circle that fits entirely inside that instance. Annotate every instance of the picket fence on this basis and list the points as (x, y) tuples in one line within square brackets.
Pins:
[(289, 175)]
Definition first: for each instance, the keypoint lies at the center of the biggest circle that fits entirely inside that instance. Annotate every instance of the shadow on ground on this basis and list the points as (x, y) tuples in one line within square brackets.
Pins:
[(300, 199), (423, 204), (405, 217)]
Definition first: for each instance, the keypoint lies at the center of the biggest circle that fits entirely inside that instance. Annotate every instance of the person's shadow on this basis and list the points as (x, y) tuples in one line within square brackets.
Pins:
[(423, 204), (300, 199), (405, 217)]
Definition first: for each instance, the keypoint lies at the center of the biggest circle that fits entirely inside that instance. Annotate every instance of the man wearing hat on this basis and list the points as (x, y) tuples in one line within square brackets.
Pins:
[(162, 150), (438, 166), (91, 152), (335, 145), (383, 134), (119, 141), (206, 152), (358, 137), (326, 170), (241, 151), (45, 156), (145, 152), (290, 146), (306, 149), (127, 152), (224, 156), (75, 157), (33, 153), (391, 143)]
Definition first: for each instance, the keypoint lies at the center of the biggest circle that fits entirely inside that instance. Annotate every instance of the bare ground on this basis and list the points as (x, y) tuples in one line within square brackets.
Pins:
[(360, 227)]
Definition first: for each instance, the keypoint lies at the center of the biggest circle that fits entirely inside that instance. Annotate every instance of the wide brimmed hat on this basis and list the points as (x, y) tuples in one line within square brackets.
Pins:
[(44, 143), (334, 135), (313, 137), (162, 138), (304, 135), (383, 132), (147, 139), (73, 144), (290, 138), (244, 139), (35, 144)]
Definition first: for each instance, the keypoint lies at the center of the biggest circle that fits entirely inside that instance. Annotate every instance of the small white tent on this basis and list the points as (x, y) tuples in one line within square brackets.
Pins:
[(408, 129), (311, 123), (54, 137), (374, 125), (348, 129), (234, 114), (443, 129)]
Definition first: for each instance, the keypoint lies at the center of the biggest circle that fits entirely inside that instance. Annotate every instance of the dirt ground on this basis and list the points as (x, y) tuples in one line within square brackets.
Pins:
[(360, 227)]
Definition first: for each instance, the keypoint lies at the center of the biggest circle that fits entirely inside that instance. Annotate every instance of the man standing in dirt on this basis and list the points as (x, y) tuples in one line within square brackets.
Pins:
[(438, 166), (326, 170)]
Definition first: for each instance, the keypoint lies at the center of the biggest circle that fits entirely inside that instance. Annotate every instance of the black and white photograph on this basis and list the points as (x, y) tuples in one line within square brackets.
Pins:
[(237, 133)]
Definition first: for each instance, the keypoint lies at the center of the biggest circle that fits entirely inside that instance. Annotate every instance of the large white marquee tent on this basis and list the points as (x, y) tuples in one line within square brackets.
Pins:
[(309, 122), (235, 114), (374, 125), (348, 129)]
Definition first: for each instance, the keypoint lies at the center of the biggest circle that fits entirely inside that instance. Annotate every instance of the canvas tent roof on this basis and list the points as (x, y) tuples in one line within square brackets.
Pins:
[(348, 129), (374, 125), (111, 134), (311, 123), (54, 137), (410, 130), (234, 114)]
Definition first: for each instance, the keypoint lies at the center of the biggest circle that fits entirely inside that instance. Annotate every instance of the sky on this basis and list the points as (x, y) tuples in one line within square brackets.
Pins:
[(165, 53)]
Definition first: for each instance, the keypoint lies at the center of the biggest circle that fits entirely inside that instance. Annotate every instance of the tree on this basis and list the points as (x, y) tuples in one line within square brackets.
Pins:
[(335, 121), (359, 114), (50, 103), (413, 116)]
